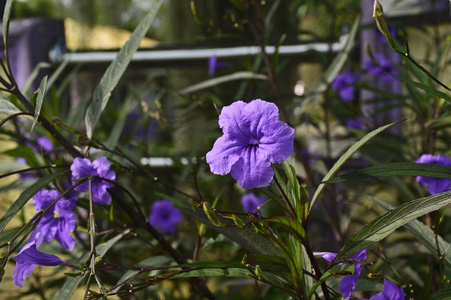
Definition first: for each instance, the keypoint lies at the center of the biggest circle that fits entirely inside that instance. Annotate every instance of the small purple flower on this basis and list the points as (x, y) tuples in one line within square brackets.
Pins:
[(354, 123), (389, 292), (435, 185), (165, 216), (214, 64), (385, 66), (100, 167), (254, 137), (29, 257), (251, 203), (347, 284), (344, 83)]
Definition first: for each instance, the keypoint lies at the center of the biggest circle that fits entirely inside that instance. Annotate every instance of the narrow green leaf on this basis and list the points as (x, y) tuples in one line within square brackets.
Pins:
[(5, 25), (395, 169), (423, 87), (25, 196), (7, 108), (216, 272), (222, 79), (115, 71), (294, 226), (39, 99), (71, 284), (267, 262), (443, 294), (426, 236), (116, 131), (344, 158), (438, 123), (383, 226), (33, 75)]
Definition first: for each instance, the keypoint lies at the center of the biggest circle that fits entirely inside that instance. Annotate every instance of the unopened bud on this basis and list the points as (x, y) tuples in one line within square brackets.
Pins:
[(211, 215)]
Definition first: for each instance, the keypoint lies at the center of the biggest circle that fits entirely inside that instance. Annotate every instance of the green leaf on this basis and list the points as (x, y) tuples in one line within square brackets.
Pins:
[(294, 226), (116, 132), (115, 71), (337, 64), (215, 272), (40, 98), (336, 270), (395, 169), (426, 236), (344, 158), (222, 79), (267, 262), (71, 284), (383, 226), (443, 294), (5, 25), (7, 108), (25, 196), (34, 74), (426, 88)]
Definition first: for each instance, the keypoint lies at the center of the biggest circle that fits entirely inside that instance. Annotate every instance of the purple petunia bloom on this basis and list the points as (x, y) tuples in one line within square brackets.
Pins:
[(385, 66), (389, 292), (29, 257), (51, 227), (343, 83), (100, 167), (347, 284), (165, 216), (254, 137), (435, 185), (354, 123), (251, 203)]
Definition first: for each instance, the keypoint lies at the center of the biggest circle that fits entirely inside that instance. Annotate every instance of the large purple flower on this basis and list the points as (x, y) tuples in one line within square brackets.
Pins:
[(254, 137), (435, 185), (344, 83), (385, 66), (51, 227), (389, 292), (165, 216), (100, 167), (251, 203), (347, 284), (29, 257)]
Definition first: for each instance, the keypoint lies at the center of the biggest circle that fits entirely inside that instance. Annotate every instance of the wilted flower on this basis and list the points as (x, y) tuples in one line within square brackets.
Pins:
[(389, 292), (254, 137), (435, 185), (29, 257), (165, 216), (344, 84), (347, 284), (250, 202), (385, 66), (100, 167)]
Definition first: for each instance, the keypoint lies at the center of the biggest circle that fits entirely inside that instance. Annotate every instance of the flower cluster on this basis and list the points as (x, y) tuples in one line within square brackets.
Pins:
[(344, 84), (251, 203), (254, 137), (165, 216), (435, 185)]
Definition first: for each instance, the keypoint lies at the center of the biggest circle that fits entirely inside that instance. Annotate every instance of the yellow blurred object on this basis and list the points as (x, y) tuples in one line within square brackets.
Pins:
[(83, 37)]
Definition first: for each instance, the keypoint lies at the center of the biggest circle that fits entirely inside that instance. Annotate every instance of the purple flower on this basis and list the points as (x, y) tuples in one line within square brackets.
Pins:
[(29, 257), (381, 70), (254, 137), (393, 33), (51, 227), (389, 292), (343, 83), (251, 203), (354, 123), (214, 64), (435, 185), (164, 216), (347, 284), (100, 167)]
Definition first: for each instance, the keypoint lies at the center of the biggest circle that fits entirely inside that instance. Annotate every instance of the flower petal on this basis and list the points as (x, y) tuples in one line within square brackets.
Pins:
[(252, 170), (259, 113), (230, 117), (277, 141), (224, 154)]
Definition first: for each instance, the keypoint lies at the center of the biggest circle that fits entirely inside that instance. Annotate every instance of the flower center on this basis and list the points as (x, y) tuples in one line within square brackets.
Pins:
[(253, 142)]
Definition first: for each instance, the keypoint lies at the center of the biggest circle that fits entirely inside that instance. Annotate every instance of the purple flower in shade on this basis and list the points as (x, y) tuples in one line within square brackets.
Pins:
[(214, 64), (164, 216), (254, 137), (29, 257), (385, 66), (435, 185), (100, 167), (389, 292), (251, 203), (343, 83), (42, 143), (354, 123), (51, 227), (347, 284)]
